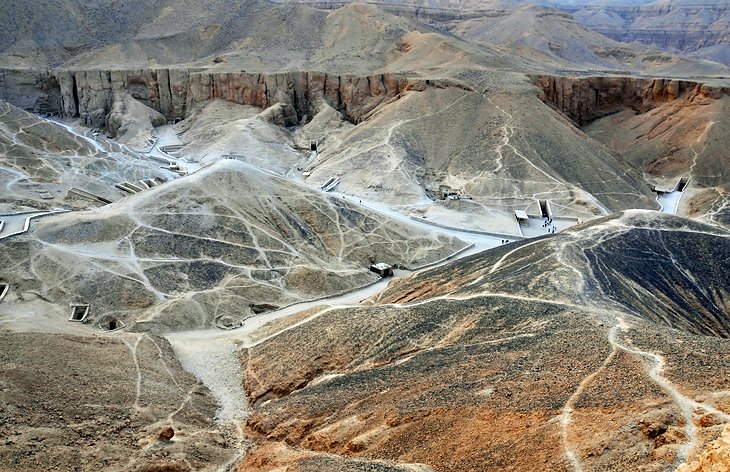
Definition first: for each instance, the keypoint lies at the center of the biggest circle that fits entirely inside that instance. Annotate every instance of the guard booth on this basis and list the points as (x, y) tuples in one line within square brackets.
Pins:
[(545, 210), (382, 269), (521, 217)]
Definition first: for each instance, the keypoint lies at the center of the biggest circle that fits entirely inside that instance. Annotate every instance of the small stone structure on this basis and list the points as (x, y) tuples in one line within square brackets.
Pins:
[(89, 195), (79, 312), (521, 217), (678, 187), (682, 184), (331, 184), (382, 269)]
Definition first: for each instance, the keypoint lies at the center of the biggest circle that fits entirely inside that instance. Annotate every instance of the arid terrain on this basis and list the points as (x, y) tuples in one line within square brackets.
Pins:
[(388, 236)]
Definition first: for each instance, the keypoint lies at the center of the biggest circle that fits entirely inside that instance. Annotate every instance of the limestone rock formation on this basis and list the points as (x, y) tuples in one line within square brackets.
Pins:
[(585, 99), (131, 122), (90, 94), (683, 25)]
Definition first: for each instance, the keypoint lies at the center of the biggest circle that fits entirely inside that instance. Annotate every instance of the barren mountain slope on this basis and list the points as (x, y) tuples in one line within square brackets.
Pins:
[(685, 138), (548, 38), (244, 35), (667, 129), (551, 354), (147, 33), (496, 142), (213, 247), (689, 26), (425, 98), (555, 39), (95, 402), (38, 157)]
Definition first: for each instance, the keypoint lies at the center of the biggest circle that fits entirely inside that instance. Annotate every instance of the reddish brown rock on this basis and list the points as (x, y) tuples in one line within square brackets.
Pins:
[(585, 99), (166, 433)]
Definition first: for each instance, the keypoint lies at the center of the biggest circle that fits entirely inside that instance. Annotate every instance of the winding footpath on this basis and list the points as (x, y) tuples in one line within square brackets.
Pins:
[(213, 355)]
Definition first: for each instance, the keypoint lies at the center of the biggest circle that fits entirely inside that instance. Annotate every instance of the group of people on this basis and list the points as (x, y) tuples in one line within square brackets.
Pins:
[(506, 241), (549, 225)]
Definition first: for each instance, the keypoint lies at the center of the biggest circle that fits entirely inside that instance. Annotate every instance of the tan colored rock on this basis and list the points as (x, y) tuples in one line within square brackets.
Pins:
[(715, 457)]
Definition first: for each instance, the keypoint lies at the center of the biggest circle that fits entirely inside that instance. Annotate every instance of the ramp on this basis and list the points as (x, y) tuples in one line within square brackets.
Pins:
[(331, 184), (89, 195), (129, 187)]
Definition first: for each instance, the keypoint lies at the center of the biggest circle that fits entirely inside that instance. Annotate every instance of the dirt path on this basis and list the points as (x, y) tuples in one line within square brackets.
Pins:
[(19, 223), (687, 406)]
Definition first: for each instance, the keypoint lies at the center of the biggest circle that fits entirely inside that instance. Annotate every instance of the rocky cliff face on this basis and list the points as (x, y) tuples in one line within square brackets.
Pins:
[(425, 11), (89, 94), (683, 26), (585, 99)]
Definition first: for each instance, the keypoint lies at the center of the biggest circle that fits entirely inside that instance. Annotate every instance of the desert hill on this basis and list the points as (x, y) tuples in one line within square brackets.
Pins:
[(561, 42), (229, 236), (562, 36), (213, 181), (107, 417), (40, 157), (245, 35), (554, 349), (697, 27), (500, 148)]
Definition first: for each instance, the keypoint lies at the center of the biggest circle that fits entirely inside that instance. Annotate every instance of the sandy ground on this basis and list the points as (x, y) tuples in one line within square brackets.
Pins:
[(534, 226)]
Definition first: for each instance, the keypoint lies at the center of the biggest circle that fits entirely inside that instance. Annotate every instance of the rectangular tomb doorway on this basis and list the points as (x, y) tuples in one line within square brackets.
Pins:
[(545, 210), (79, 312), (682, 184)]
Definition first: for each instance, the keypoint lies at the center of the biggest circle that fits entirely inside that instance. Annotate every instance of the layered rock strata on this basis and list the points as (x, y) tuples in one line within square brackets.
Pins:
[(585, 99), (682, 26), (89, 94)]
